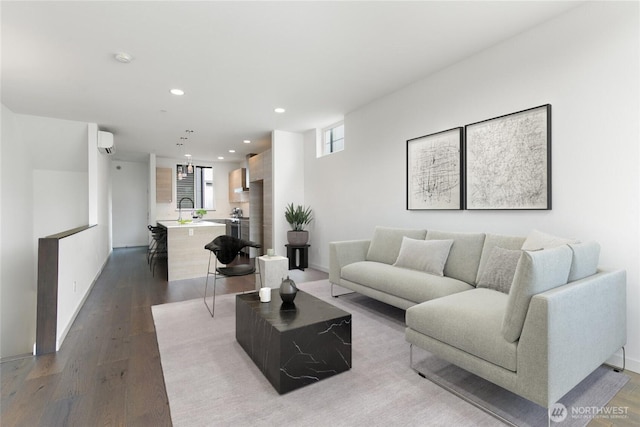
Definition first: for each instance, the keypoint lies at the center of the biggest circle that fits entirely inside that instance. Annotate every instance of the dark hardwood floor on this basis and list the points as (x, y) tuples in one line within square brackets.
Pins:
[(108, 370)]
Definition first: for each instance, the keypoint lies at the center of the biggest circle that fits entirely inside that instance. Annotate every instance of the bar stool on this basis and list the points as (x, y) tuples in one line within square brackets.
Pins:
[(158, 247), (155, 231)]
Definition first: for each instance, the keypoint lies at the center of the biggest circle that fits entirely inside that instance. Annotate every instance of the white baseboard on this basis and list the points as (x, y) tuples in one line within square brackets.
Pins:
[(16, 357)]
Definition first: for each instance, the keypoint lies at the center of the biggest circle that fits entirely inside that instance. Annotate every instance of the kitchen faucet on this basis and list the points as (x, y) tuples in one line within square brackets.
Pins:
[(180, 207)]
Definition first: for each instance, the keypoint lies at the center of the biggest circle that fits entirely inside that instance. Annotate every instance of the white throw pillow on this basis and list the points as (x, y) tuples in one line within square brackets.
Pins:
[(424, 255), (537, 240), (386, 242)]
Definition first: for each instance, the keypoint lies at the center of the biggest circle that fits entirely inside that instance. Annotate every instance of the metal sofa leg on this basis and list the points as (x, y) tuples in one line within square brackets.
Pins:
[(624, 362), (339, 295), (456, 393)]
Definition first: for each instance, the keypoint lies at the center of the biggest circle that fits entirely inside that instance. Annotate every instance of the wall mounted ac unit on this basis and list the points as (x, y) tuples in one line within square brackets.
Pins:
[(105, 142)]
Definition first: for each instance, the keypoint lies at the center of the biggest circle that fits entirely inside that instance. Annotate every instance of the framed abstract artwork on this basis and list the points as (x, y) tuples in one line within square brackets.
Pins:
[(434, 171), (508, 161)]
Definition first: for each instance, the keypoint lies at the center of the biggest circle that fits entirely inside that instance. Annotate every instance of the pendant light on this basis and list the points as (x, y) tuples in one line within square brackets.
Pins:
[(189, 166), (189, 163), (180, 169)]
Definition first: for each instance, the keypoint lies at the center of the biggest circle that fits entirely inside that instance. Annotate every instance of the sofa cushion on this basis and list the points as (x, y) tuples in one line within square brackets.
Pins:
[(497, 240), (585, 260), (499, 270), (386, 242), (411, 285), (464, 256), (429, 256), (537, 272), (470, 321), (537, 240)]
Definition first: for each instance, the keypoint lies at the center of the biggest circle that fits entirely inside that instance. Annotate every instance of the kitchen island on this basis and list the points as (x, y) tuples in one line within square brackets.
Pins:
[(186, 256)]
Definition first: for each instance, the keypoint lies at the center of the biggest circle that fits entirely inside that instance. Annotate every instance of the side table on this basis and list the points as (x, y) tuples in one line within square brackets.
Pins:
[(273, 270), (298, 256)]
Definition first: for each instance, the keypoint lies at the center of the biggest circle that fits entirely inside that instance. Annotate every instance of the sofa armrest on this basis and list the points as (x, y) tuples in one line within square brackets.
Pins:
[(344, 253), (569, 331)]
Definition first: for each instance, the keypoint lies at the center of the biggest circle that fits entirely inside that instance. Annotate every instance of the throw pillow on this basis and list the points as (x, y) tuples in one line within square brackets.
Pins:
[(424, 255), (490, 242), (464, 257), (499, 270), (537, 240), (386, 242)]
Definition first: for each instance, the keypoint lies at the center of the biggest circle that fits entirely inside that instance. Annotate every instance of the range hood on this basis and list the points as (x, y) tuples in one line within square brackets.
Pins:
[(240, 181)]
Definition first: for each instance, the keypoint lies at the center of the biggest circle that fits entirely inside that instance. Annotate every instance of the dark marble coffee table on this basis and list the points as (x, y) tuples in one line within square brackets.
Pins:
[(297, 344)]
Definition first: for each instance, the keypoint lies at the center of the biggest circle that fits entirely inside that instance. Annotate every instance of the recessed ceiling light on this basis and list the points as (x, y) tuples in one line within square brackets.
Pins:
[(246, 141), (123, 57), (177, 92), (187, 155), (279, 110), (220, 158), (232, 151)]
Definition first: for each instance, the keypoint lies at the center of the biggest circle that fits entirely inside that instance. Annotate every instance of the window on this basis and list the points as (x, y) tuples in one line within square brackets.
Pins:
[(197, 186), (333, 138)]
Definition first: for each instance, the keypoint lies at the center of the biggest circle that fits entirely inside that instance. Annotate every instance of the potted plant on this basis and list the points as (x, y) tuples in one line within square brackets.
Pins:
[(199, 214), (298, 217)]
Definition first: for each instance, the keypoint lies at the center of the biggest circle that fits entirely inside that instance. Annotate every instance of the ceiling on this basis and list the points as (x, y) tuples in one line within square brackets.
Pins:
[(235, 61)]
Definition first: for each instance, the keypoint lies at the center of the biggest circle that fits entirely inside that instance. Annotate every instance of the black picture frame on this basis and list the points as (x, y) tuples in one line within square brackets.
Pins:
[(507, 161), (434, 171)]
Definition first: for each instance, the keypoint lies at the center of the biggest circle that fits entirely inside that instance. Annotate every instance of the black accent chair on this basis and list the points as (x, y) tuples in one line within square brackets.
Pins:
[(226, 249)]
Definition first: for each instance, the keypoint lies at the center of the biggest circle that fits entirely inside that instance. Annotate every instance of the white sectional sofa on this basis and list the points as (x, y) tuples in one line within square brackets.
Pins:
[(533, 314)]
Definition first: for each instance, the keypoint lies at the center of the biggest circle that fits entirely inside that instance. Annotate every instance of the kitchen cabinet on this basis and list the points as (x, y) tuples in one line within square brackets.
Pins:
[(238, 191), (164, 188), (256, 167)]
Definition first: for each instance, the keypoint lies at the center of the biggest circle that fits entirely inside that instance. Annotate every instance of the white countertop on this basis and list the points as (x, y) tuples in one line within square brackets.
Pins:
[(176, 224)]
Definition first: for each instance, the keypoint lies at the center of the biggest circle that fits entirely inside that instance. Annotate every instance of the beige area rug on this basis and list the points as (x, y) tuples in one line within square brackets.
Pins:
[(211, 381)]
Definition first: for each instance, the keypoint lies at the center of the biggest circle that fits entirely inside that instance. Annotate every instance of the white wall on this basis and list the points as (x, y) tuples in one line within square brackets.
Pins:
[(58, 157), (586, 64), (18, 259), (76, 275), (287, 150), (82, 255), (59, 201), (44, 194), (130, 203)]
